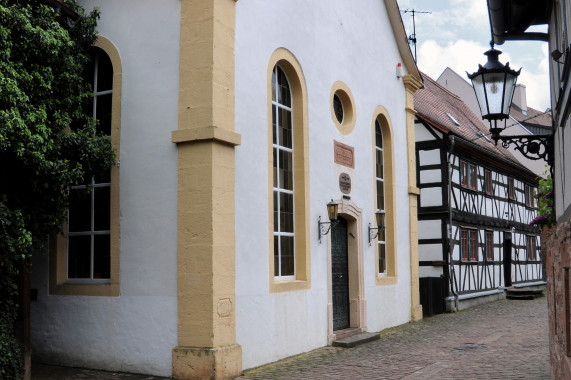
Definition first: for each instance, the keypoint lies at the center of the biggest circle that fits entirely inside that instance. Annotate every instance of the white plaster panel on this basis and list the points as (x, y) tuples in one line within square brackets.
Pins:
[(431, 196), (429, 229), (427, 176), (422, 134), (429, 252), (455, 176), (429, 272), (429, 157)]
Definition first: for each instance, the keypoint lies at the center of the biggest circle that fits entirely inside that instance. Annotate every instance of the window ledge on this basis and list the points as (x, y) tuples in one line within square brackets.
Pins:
[(70, 289), (288, 285), (386, 280)]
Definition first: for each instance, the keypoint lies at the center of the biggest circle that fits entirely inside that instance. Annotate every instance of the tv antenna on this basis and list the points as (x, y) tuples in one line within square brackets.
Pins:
[(412, 37)]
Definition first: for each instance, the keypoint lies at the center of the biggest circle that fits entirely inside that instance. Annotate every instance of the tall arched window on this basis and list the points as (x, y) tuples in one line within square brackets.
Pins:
[(283, 181), (380, 182), (288, 174), (89, 227), (384, 182), (86, 260)]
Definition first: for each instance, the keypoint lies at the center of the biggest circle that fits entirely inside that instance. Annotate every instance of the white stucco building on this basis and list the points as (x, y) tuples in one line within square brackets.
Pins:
[(235, 123)]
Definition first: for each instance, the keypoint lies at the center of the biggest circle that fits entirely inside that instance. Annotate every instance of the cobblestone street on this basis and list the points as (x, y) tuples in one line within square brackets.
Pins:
[(502, 340)]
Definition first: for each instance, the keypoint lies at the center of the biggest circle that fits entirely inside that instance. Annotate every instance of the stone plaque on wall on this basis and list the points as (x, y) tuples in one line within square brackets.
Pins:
[(345, 183), (344, 154)]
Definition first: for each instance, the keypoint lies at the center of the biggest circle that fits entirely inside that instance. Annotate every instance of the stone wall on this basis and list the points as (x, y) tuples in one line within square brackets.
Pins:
[(555, 249)]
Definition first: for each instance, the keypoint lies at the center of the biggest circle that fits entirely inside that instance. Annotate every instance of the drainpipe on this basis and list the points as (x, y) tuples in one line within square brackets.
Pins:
[(451, 267)]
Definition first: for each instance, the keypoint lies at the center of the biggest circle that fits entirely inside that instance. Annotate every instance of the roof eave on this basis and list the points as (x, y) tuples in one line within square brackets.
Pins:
[(509, 20), (401, 38)]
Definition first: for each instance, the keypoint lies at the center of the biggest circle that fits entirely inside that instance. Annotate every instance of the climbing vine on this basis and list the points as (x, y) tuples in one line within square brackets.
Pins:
[(47, 141)]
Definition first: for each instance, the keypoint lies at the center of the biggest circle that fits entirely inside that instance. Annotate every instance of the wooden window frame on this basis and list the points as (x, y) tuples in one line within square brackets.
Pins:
[(469, 244), (464, 172), (529, 198), (531, 247), (488, 181), (511, 188), (469, 174), (489, 245)]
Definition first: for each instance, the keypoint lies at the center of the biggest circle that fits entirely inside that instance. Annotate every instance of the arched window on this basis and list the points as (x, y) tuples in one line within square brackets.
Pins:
[(386, 263), (283, 181), (88, 254), (288, 171), (380, 179), (89, 227)]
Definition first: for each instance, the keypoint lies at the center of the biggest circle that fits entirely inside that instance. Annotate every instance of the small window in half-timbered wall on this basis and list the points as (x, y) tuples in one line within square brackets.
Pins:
[(529, 196), (511, 188), (531, 247), (488, 181), (469, 245), (489, 245), (567, 305), (469, 175)]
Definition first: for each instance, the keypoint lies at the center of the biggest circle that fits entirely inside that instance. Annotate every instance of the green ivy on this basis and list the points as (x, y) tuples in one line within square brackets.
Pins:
[(42, 95)]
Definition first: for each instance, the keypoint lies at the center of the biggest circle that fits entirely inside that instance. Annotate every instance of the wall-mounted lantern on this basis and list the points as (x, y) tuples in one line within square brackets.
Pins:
[(374, 231), (325, 227), (494, 85)]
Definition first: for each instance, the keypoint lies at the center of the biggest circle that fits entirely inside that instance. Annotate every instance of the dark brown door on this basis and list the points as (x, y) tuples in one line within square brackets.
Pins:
[(340, 275), (507, 259)]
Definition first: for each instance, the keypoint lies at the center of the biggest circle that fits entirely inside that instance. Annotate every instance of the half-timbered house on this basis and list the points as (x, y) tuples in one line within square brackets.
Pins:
[(476, 202)]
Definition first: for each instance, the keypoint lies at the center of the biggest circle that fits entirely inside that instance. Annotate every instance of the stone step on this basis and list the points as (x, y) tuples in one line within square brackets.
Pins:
[(520, 297), (346, 333), (523, 293), (356, 340)]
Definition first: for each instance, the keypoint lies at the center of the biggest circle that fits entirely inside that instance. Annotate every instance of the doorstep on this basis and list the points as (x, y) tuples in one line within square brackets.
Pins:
[(355, 340)]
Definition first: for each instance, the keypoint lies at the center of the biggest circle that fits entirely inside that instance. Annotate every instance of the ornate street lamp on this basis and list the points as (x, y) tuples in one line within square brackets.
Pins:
[(494, 85), (325, 227)]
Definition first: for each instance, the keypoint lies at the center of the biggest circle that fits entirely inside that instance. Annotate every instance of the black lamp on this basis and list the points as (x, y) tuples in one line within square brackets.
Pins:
[(494, 86), (325, 227)]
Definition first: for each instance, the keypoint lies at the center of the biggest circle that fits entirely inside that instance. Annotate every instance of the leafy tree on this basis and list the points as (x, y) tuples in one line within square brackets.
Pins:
[(47, 141)]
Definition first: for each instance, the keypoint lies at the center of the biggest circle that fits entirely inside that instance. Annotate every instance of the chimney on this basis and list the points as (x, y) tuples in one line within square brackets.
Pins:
[(519, 99)]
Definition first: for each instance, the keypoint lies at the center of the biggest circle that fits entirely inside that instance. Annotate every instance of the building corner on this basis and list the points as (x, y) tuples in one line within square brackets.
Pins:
[(412, 84), (206, 141)]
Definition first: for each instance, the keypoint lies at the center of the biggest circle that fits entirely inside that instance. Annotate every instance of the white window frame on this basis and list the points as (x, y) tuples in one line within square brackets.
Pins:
[(94, 185), (380, 242), (278, 189)]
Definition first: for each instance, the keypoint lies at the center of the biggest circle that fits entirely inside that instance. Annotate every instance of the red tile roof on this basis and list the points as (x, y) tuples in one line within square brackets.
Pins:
[(433, 103), (533, 117)]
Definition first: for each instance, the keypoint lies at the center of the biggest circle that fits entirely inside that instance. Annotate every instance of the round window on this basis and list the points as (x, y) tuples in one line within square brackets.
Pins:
[(342, 107), (338, 108)]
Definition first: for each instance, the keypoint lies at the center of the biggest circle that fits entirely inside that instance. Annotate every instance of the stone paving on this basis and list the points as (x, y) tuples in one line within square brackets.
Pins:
[(501, 340)]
